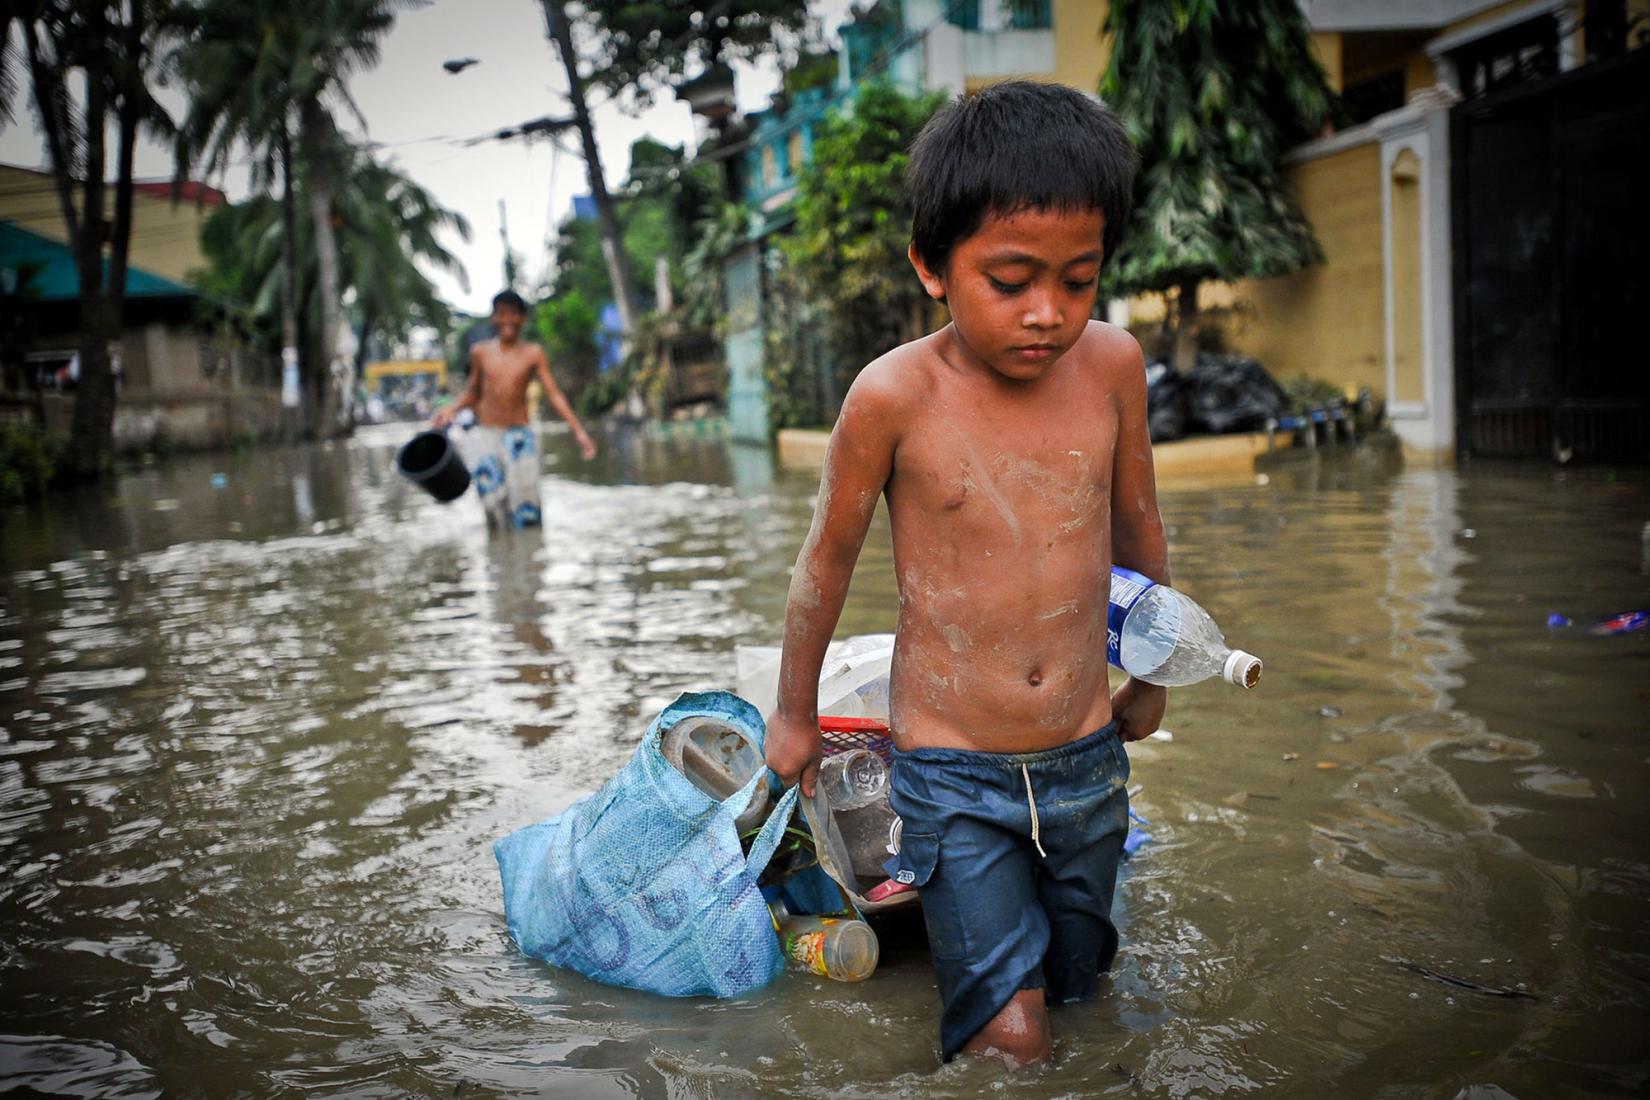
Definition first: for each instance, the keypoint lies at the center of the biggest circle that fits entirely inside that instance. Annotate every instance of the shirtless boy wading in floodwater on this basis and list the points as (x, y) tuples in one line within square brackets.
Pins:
[(501, 450), (1013, 452)]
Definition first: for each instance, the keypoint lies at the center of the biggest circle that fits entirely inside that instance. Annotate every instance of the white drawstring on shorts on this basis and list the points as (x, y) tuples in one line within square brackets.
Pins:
[(1031, 804)]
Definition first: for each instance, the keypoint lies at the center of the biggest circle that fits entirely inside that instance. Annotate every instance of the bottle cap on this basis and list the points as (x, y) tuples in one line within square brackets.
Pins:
[(1242, 669)]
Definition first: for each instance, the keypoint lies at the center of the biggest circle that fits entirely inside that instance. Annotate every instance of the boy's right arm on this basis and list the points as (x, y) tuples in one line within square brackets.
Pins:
[(858, 462)]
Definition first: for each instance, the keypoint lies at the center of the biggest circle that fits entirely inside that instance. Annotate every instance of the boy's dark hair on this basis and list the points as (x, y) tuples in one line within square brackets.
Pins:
[(511, 299), (1014, 146)]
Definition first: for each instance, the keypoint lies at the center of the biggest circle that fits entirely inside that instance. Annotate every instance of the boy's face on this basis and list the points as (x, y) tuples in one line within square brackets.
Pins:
[(1021, 287), (507, 322)]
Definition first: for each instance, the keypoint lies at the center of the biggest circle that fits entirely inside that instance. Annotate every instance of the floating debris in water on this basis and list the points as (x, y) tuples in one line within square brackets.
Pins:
[(1288, 756), (1330, 712), (1628, 622), (1458, 982)]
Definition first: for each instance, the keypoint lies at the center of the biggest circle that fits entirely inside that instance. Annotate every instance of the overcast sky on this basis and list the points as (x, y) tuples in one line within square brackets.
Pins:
[(417, 110)]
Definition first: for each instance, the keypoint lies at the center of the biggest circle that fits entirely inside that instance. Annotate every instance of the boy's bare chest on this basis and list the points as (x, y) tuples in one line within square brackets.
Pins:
[(506, 373), (985, 474)]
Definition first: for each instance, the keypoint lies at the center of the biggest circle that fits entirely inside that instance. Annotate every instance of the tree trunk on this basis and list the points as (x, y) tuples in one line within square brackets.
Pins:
[(618, 262), (1187, 322), (317, 140), (91, 430), (361, 337), (94, 421), (289, 254)]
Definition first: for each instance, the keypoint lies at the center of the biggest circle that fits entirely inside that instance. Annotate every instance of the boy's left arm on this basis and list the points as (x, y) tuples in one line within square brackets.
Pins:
[(564, 408), (1137, 540)]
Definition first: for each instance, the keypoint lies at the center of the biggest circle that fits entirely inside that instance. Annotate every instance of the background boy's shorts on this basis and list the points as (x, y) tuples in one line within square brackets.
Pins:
[(1001, 916), (504, 467)]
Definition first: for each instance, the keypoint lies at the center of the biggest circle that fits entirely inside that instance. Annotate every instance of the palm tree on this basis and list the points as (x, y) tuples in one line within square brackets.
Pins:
[(236, 76), (386, 227), (304, 51), (386, 223)]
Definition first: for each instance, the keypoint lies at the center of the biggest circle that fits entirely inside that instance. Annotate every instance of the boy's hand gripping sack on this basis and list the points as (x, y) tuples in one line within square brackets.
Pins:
[(644, 883)]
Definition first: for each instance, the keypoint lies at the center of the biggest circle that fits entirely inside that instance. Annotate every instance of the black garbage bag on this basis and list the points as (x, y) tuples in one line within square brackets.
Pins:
[(1231, 393), (1165, 402)]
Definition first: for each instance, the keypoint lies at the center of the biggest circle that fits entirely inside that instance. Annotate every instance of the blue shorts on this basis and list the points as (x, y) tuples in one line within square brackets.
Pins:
[(1013, 900)]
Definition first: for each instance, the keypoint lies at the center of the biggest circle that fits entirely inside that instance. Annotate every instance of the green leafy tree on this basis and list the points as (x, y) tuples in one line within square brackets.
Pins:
[(638, 49), (567, 324), (634, 50), (853, 223), (1213, 93), (236, 77), (88, 65), (387, 226), (661, 204)]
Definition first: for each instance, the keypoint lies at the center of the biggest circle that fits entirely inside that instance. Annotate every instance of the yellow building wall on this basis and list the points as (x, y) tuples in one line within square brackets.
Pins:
[(1081, 53), (1408, 352), (165, 238), (1326, 47), (30, 200), (1325, 321)]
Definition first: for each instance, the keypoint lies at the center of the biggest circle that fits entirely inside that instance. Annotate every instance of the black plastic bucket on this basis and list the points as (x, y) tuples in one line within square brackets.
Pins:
[(430, 460)]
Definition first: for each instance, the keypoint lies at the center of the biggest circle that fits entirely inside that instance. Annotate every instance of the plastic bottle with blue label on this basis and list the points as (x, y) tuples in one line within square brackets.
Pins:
[(1161, 636)]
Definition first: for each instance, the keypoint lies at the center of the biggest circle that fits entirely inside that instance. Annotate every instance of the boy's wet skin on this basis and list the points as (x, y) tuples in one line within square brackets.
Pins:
[(501, 371), (1013, 452), (1000, 485)]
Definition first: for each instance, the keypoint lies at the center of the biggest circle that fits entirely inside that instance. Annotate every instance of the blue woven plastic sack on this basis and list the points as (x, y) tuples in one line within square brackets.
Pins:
[(643, 884)]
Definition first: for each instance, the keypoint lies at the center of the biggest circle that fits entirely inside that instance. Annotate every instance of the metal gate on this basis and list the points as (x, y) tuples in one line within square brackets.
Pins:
[(1552, 281)]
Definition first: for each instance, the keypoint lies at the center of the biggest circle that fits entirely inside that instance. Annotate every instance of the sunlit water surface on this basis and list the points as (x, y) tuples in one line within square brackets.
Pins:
[(256, 741)]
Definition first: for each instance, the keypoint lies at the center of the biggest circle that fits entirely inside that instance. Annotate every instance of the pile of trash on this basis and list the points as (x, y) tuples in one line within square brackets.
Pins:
[(1222, 393)]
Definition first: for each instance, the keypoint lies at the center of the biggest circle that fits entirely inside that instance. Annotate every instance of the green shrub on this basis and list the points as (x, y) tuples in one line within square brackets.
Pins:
[(29, 456), (597, 398), (1306, 392)]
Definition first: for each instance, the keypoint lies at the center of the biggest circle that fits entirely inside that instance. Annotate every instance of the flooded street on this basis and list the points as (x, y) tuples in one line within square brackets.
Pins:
[(256, 742)]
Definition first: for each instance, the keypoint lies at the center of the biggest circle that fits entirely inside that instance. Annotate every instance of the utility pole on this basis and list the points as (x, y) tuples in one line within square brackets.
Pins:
[(618, 263)]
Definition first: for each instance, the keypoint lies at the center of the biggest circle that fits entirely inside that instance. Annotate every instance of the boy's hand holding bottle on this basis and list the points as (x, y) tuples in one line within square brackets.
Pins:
[(792, 748)]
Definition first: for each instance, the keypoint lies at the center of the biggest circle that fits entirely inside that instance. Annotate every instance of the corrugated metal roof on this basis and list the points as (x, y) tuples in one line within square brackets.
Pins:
[(53, 269)]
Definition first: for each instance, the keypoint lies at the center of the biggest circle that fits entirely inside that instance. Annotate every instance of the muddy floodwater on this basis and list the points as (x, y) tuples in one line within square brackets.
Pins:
[(256, 740)]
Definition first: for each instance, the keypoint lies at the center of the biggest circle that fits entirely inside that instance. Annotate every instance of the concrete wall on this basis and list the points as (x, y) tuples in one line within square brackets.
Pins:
[(162, 358), (1003, 54), (185, 422), (1377, 314), (1080, 53), (1325, 321), (742, 344)]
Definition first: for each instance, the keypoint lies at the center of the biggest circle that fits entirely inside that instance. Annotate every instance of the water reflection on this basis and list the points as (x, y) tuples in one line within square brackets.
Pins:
[(255, 742)]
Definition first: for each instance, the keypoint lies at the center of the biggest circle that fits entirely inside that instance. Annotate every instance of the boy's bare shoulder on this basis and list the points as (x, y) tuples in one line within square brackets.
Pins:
[(1112, 352), (896, 382)]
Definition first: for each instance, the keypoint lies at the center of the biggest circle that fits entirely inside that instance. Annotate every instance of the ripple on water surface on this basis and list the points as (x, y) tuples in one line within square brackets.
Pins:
[(254, 749)]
